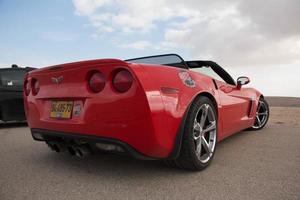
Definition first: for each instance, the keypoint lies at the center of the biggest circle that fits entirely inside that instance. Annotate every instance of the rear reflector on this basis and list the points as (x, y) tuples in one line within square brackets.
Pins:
[(97, 82), (122, 81), (109, 147)]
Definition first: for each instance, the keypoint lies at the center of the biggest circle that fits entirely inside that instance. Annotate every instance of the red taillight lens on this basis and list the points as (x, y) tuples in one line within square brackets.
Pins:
[(122, 81), (27, 87), (97, 82), (35, 86)]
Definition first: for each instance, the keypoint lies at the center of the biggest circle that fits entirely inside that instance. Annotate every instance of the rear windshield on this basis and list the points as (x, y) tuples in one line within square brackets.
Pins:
[(169, 60), (11, 78)]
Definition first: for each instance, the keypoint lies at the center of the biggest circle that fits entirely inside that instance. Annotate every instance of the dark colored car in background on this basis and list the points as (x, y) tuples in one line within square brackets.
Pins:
[(11, 98)]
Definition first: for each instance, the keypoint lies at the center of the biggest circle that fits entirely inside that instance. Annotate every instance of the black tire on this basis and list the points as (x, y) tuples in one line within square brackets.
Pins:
[(170, 163), (187, 158), (255, 127)]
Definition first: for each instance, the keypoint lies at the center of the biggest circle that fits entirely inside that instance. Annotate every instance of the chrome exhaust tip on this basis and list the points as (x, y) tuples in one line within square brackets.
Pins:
[(82, 151), (53, 146), (71, 150), (56, 148)]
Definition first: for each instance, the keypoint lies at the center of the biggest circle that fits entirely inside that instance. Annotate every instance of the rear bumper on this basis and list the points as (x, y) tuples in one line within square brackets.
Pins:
[(148, 131), (48, 135)]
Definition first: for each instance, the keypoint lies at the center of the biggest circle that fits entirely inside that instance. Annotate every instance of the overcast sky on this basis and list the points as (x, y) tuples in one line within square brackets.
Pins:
[(260, 39)]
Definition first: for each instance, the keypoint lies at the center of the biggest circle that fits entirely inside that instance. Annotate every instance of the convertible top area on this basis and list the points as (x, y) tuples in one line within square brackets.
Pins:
[(174, 60), (215, 67)]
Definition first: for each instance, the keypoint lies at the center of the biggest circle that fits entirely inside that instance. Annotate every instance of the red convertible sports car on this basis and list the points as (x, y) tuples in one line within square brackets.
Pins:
[(156, 107)]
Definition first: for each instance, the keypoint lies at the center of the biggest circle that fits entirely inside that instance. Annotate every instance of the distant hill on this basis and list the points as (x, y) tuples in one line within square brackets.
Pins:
[(283, 101)]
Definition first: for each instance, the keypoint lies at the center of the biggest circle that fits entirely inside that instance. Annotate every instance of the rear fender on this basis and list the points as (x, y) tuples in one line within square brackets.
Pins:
[(169, 99)]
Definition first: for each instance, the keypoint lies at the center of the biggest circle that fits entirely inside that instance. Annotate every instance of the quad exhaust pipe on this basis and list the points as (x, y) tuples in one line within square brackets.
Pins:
[(56, 146), (77, 150)]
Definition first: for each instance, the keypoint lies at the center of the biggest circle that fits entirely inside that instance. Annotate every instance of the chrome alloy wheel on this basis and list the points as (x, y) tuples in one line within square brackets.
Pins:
[(262, 114), (205, 133)]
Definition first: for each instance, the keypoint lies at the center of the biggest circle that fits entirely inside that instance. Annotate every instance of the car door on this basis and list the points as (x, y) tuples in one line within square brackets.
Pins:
[(234, 108), (233, 102)]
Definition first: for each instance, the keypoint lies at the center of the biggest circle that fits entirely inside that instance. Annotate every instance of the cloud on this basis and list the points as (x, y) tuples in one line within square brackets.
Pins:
[(127, 15), (88, 7), (233, 32), (146, 45), (139, 45), (276, 18)]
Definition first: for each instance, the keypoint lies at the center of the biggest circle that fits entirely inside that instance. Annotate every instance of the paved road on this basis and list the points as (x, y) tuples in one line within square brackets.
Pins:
[(248, 165)]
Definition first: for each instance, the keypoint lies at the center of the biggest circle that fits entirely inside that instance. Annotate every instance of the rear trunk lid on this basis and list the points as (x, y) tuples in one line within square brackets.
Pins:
[(70, 80)]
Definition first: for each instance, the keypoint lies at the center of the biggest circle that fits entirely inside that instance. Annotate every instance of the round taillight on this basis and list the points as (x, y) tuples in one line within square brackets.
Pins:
[(122, 81), (27, 87), (35, 86), (97, 82)]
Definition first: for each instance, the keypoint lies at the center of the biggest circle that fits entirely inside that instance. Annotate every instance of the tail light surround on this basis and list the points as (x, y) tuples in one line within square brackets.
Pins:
[(96, 82), (35, 85), (27, 87)]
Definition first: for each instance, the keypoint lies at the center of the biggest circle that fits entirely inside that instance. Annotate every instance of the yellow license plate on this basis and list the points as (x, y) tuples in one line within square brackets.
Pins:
[(61, 109)]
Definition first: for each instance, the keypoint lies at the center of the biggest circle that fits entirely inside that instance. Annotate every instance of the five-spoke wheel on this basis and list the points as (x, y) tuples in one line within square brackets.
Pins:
[(262, 115), (199, 137), (205, 133)]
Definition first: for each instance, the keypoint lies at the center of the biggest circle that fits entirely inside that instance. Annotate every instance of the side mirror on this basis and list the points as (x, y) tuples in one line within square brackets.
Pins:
[(243, 80)]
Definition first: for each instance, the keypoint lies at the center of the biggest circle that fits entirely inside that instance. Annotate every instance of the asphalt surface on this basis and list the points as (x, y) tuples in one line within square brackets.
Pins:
[(249, 165)]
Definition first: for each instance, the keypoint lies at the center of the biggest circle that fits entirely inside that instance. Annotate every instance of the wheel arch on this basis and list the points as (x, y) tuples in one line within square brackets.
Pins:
[(210, 96), (178, 140)]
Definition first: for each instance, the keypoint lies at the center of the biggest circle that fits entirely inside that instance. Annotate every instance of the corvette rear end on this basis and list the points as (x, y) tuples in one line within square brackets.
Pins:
[(101, 103)]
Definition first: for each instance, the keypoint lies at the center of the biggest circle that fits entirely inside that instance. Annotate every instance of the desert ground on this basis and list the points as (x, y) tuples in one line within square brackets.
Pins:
[(249, 165)]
